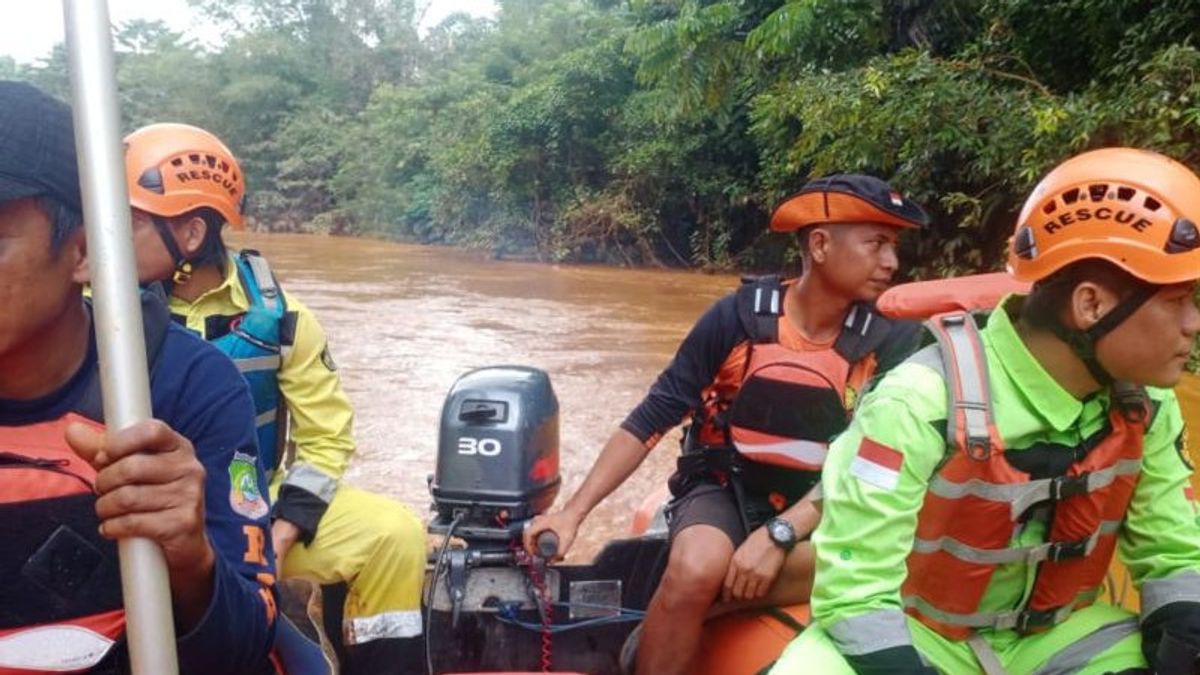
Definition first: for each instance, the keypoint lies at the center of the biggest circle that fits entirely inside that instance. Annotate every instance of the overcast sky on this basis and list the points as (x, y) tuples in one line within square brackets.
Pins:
[(29, 28)]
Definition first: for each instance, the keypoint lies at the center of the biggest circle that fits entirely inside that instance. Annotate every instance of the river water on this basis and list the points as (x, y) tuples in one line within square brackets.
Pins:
[(405, 321)]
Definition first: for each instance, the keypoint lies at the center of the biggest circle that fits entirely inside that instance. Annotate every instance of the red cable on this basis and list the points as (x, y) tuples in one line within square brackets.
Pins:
[(547, 618), (542, 594)]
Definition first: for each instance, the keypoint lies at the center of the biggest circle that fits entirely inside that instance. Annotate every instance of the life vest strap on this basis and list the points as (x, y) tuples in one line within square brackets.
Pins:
[(865, 332), (1053, 551), (766, 301), (985, 655), (1031, 620), (1023, 621), (263, 279), (706, 461), (1132, 402), (1024, 495), (760, 304), (970, 424)]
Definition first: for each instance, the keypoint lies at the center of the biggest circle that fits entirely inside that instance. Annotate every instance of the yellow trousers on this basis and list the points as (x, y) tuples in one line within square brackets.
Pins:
[(376, 546)]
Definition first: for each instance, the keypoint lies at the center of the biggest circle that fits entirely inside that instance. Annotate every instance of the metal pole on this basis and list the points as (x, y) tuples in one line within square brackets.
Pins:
[(150, 628)]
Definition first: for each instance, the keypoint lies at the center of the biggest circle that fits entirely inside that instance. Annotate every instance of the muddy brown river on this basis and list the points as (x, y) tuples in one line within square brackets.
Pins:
[(405, 321)]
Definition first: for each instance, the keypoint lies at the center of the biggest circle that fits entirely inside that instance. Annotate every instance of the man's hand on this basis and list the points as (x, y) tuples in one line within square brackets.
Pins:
[(149, 484), (283, 534), (755, 565), (563, 523), (621, 455)]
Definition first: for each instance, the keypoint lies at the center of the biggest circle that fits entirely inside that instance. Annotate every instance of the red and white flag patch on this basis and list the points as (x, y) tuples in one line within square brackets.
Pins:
[(877, 464)]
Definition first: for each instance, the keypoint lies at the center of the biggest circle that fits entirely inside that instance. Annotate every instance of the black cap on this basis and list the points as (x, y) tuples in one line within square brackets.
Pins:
[(37, 146)]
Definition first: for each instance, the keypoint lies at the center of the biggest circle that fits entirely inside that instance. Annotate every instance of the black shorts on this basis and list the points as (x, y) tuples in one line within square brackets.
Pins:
[(707, 504)]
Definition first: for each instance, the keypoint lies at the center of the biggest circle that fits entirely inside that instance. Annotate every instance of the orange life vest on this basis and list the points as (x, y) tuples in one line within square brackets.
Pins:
[(780, 406), (977, 499), (789, 405), (62, 611), (61, 608)]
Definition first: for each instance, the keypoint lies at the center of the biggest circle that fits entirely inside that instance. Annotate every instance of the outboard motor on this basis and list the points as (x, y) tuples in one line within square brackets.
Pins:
[(497, 462), (490, 605)]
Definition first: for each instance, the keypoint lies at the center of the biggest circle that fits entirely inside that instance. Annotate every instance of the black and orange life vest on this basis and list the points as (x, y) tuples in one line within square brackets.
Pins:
[(979, 497), (780, 407), (60, 586)]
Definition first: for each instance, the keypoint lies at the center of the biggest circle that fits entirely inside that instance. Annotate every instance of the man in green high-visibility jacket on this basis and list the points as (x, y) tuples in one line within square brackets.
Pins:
[(972, 509)]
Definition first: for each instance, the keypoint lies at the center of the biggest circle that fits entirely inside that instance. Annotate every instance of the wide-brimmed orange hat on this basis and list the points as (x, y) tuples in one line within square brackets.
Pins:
[(847, 198), (1134, 208), (173, 169)]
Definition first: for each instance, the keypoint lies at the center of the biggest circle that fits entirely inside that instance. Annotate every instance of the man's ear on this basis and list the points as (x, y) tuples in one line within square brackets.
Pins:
[(1090, 301), (76, 248), (190, 234), (819, 242)]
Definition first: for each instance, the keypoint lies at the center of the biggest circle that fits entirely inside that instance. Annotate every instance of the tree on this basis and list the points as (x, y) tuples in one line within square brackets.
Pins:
[(660, 131)]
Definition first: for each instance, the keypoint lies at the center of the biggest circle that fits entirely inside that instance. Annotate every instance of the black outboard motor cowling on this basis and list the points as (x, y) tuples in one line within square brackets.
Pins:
[(497, 459)]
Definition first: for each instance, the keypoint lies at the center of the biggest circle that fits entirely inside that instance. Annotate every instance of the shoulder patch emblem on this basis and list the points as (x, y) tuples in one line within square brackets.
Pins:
[(327, 359), (244, 495)]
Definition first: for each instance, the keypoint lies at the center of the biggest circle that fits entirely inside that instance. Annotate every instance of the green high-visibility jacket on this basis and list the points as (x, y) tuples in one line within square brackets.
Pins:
[(870, 512)]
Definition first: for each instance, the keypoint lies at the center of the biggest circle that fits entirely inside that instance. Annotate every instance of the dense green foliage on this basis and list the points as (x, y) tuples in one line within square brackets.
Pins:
[(662, 131)]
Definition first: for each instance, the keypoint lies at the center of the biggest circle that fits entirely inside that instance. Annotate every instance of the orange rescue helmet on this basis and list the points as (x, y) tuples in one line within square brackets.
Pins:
[(847, 198), (1134, 208), (173, 169)]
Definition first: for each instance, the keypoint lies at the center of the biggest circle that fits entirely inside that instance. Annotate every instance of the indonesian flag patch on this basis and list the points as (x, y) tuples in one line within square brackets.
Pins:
[(877, 464), (897, 200)]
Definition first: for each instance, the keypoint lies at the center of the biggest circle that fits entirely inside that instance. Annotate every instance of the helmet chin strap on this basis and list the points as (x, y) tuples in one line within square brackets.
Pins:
[(1083, 342), (183, 266)]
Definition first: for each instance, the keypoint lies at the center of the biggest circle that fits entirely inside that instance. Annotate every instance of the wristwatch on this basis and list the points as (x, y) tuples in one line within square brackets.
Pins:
[(781, 533)]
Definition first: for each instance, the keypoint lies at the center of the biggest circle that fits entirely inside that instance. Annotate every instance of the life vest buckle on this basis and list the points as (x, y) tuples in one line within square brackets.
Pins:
[(1068, 486), (979, 448), (708, 461), (1065, 550), (1130, 402), (1032, 620)]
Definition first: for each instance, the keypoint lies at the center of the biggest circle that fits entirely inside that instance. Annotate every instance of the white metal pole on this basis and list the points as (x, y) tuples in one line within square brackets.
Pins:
[(150, 628)]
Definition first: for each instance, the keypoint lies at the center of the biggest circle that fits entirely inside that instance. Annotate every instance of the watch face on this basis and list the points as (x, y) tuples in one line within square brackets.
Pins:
[(780, 532)]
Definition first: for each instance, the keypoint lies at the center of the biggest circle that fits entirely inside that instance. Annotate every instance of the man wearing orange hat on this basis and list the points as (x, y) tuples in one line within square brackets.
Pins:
[(973, 507), (769, 374)]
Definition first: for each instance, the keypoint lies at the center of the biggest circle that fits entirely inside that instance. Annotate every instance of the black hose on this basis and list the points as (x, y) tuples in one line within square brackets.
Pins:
[(437, 567)]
